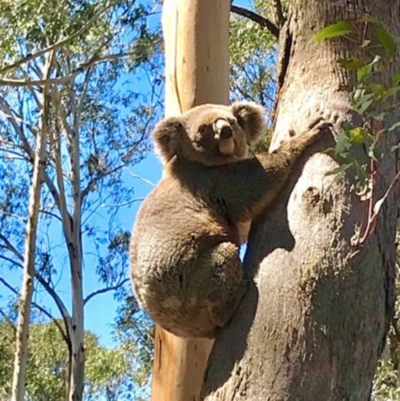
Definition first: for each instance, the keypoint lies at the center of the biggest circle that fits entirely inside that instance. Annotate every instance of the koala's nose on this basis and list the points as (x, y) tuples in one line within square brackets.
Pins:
[(223, 130), (226, 132)]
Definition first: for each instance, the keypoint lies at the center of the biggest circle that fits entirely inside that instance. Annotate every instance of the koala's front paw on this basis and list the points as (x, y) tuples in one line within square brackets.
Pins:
[(317, 128)]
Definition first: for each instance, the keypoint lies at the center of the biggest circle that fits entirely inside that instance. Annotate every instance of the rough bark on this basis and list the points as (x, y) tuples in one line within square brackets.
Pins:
[(22, 340), (196, 35), (313, 325)]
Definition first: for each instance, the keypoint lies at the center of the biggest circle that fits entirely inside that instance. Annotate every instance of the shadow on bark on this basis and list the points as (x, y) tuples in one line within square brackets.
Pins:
[(240, 325)]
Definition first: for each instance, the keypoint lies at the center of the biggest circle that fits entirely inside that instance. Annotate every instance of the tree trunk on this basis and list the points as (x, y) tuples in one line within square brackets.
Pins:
[(21, 349), (75, 257), (196, 34), (77, 371), (313, 326)]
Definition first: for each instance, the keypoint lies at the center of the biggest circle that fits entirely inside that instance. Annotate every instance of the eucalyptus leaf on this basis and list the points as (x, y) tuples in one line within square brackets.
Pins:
[(340, 28)]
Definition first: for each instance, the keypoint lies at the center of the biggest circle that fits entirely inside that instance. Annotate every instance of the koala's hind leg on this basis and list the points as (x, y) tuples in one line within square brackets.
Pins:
[(226, 287)]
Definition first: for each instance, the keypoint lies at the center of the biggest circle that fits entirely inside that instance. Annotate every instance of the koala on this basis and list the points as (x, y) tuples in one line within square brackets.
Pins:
[(184, 251)]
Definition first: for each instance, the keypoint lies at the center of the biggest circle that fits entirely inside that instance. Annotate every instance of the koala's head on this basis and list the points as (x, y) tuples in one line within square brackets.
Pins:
[(211, 134)]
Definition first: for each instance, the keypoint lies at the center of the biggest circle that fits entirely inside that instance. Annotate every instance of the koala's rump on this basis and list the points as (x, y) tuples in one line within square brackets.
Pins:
[(174, 226)]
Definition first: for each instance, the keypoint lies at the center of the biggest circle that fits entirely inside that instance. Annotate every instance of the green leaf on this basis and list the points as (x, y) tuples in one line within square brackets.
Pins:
[(361, 178), (394, 126), (363, 72), (357, 135), (396, 79), (368, 69), (386, 38), (390, 92), (378, 116), (340, 170), (358, 94), (352, 63), (340, 28), (342, 142), (377, 89), (375, 154), (364, 103)]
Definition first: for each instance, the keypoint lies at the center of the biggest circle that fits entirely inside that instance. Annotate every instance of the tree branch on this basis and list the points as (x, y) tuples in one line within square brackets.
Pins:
[(10, 247), (55, 139), (57, 300), (51, 214), (99, 177), (28, 149), (41, 309), (104, 290), (17, 117), (12, 261), (56, 45), (40, 82), (264, 22)]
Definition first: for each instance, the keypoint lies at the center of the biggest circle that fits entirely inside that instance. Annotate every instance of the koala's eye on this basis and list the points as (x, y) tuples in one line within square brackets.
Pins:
[(204, 138), (204, 132), (203, 129), (240, 120)]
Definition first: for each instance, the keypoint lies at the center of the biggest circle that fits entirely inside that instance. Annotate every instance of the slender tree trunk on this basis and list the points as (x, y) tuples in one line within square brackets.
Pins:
[(21, 351), (77, 335), (75, 255), (196, 34), (67, 375), (314, 324)]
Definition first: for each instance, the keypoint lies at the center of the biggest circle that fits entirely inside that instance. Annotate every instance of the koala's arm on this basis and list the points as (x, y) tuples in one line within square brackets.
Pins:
[(257, 181)]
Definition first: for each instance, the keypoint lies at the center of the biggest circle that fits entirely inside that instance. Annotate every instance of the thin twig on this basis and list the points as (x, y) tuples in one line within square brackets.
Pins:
[(96, 179), (141, 178), (264, 22), (104, 290)]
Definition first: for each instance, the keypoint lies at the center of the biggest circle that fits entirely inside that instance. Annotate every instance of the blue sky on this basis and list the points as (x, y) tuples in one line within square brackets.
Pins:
[(101, 310)]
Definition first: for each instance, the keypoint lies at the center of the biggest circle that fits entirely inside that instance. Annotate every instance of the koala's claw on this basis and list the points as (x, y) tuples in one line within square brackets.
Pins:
[(320, 126), (320, 123)]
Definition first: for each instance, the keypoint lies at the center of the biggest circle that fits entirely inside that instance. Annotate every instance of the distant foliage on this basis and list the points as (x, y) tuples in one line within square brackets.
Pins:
[(108, 371)]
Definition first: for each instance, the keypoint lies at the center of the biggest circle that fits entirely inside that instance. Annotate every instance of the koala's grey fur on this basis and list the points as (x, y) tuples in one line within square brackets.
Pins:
[(184, 252)]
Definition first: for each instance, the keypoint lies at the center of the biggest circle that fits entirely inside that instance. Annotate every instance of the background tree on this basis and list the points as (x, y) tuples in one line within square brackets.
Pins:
[(196, 72), (110, 374), (26, 294), (95, 131)]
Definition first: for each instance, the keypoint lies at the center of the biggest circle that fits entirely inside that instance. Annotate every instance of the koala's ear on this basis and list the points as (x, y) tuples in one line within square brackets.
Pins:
[(251, 117), (168, 137)]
